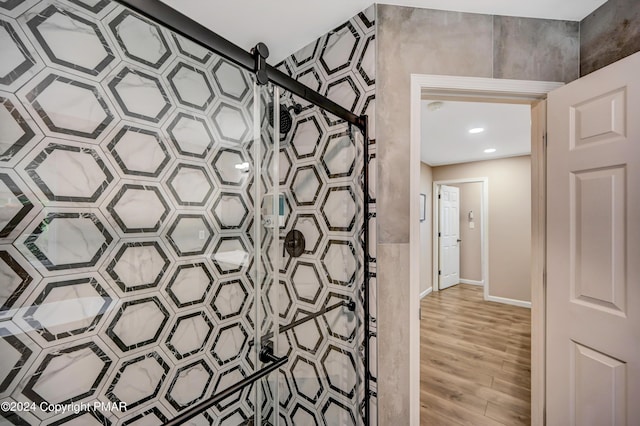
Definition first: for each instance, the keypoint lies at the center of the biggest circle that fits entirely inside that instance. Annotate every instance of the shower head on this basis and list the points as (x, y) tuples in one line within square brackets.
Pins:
[(286, 121)]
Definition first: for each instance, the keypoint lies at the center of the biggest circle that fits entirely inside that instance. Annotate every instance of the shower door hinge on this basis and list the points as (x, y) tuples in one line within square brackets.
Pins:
[(439, 272), (439, 234)]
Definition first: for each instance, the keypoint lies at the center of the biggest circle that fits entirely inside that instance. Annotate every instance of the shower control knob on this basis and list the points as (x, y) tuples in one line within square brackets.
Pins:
[(294, 243)]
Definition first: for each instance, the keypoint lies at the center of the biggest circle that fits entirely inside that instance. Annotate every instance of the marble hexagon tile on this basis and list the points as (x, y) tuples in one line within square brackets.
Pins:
[(18, 206), (68, 106), (18, 354), (58, 240), (188, 285), (69, 40), (136, 266), (137, 208), (19, 280), (138, 151), (139, 40), (64, 308), (137, 380), (67, 373), (67, 173), (19, 131), (189, 335), (190, 134), (21, 62), (136, 324)]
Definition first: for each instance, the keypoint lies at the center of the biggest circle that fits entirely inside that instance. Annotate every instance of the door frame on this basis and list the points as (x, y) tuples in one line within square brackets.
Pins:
[(484, 230), (502, 90)]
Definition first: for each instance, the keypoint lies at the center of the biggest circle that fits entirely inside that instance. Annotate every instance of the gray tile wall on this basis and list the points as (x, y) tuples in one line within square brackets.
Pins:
[(610, 33), (427, 41), (535, 49)]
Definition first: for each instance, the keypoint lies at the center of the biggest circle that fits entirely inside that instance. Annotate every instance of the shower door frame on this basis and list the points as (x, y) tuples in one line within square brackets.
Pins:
[(199, 34), (254, 62)]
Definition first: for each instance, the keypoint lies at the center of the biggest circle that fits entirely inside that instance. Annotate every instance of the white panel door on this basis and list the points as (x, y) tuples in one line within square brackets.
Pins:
[(449, 234), (593, 249)]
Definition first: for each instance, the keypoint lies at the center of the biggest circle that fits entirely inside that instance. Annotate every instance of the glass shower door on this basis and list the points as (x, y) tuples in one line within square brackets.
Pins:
[(132, 180)]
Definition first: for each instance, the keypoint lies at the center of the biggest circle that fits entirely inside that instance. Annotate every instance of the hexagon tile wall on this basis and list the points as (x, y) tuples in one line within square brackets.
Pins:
[(321, 166), (126, 231), (118, 195)]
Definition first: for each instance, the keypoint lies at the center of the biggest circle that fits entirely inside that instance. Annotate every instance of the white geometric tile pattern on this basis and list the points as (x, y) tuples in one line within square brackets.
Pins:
[(63, 309), (128, 180), (71, 41), (140, 95), (191, 86), (321, 166), (69, 106), (138, 323)]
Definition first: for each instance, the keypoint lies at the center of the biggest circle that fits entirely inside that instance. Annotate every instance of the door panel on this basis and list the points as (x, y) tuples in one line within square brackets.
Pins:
[(598, 242), (597, 377), (449, 236), (593, 247)]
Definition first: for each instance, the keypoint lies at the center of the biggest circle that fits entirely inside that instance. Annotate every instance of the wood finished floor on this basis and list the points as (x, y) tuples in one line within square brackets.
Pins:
[(475, 360)]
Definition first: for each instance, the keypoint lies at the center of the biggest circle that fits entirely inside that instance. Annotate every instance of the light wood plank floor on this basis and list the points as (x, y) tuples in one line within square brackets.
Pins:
[(475, 360)]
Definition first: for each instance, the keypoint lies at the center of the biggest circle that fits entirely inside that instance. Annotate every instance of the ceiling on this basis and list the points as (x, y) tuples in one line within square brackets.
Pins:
[(446, 138), (286, 26)]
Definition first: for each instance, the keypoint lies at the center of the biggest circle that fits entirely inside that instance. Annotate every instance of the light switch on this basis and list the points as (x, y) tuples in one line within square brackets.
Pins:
[(472, 225)]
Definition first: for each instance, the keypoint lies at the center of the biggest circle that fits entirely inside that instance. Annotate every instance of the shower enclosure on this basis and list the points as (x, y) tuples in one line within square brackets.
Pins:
[(182, 227)]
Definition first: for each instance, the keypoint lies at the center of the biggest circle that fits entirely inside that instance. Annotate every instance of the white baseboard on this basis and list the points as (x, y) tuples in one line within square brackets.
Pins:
[(507, 301), (426, 292), (472, 282)]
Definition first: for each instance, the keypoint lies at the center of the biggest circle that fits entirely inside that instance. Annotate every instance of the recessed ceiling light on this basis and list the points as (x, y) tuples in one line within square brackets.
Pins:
[(476, 130), (489, 150)]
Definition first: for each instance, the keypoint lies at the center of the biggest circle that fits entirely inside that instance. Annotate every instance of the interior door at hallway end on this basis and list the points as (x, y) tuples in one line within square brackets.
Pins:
[(593, 248), (449, 236)]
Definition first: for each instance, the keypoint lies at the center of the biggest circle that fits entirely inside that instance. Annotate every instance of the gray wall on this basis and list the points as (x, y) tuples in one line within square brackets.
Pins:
[(610, 33), (448, 43)]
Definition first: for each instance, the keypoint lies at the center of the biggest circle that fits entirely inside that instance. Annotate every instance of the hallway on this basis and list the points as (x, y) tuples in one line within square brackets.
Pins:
[(475, 360)]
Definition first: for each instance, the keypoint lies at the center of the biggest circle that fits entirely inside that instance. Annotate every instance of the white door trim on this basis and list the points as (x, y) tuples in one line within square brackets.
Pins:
[(519, 90), (484, 230)]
